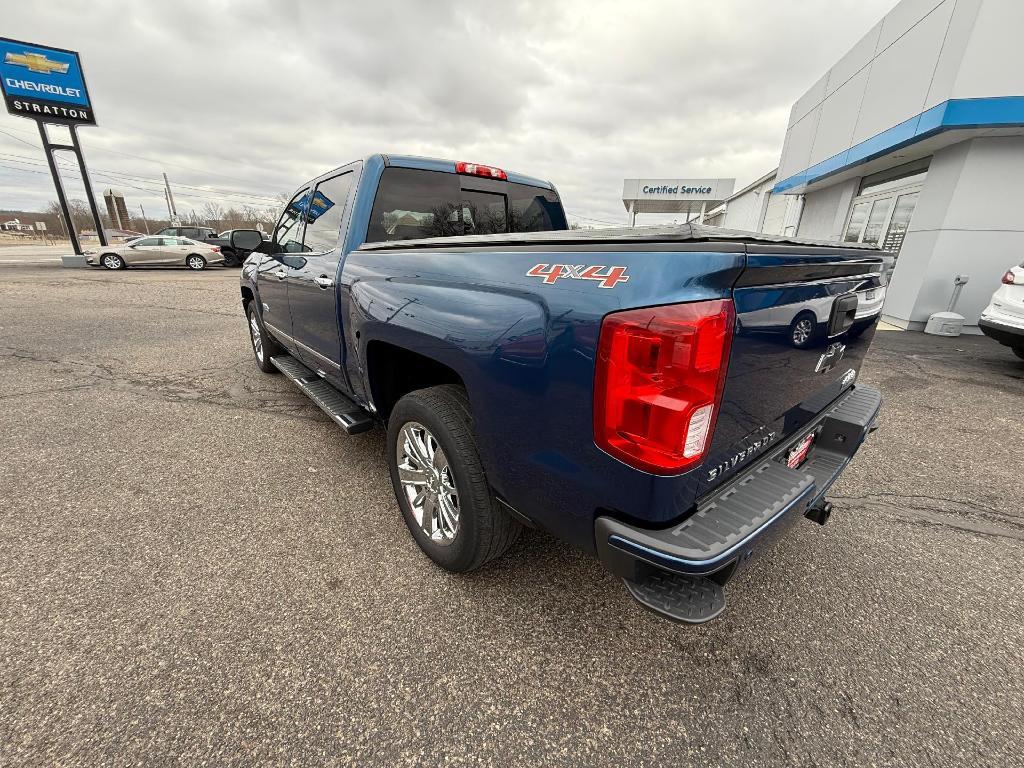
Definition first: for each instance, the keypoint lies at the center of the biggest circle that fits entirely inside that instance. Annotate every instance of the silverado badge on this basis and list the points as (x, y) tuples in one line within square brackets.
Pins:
[(741, 456)]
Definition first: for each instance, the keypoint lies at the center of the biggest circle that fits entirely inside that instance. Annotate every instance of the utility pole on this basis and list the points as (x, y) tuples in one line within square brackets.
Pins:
[(170, 201), (145, 223)]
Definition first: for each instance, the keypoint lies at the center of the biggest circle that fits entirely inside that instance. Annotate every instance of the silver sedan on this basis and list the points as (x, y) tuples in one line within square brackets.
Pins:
[(158, 251)]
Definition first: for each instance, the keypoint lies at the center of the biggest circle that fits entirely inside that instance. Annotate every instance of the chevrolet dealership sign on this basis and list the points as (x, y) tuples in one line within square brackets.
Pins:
[(44, 83)]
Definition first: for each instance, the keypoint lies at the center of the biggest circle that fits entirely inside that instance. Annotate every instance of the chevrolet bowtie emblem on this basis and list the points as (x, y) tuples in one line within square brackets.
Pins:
[(36, 62)]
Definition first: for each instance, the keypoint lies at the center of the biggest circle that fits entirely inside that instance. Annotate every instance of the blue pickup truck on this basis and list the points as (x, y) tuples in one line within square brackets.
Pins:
[(602, 385)]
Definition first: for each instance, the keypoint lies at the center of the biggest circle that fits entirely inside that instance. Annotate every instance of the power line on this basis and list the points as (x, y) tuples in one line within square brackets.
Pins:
[(12, 136), (146, 179), (599, 221), (227, 192), (122, 179), (148, 159)]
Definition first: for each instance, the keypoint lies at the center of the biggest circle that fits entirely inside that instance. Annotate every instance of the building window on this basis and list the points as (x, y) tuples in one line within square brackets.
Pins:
[(880, 215)]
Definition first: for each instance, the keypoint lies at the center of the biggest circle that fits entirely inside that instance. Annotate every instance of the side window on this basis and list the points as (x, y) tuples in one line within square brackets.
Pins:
[(325, 211), (168, 241), (195, 234), (148, 241), (288, 234)]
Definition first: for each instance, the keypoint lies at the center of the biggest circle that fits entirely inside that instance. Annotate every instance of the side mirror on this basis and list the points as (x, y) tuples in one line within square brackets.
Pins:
[(246, 239)]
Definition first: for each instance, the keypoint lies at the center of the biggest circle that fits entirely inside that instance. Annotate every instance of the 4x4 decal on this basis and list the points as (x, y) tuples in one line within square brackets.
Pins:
[(609, 278)]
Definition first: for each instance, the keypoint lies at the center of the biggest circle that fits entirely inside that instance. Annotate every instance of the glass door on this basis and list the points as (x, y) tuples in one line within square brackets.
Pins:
[(880, 215), (899, 222)]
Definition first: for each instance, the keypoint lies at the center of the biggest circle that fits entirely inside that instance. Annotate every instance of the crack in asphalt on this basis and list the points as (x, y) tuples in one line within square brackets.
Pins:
[(174, 389), (967, 515), (47, 391)]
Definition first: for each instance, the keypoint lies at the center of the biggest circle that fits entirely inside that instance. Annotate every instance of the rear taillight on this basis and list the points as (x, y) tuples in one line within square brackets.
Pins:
[(1008, 277), (660, 374), (216, 248), (474, 169)]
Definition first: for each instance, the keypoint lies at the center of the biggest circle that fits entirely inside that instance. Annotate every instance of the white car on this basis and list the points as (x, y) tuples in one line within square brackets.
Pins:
[(1003, 318)]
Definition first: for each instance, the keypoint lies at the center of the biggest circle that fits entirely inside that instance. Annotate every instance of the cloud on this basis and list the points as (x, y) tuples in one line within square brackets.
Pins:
[(252, 98)]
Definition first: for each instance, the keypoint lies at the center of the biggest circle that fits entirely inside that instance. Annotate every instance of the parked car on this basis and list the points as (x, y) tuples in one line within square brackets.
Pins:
[(598, 384), (1003, 318), (158, 251), (226, 235), (233, 257)]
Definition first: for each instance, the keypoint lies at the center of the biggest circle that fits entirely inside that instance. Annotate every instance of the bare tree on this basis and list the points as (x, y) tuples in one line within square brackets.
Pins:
[(81, 216), (212, 214)]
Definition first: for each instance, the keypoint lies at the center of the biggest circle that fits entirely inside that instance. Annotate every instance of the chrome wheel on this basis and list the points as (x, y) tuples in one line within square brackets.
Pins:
[(428, 483), (110, 261), (257, 339), (196, 262), (802, 331)]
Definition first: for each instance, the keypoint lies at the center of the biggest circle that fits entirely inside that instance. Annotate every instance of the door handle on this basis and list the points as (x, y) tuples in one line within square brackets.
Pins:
[(280, 274), (324, 281)]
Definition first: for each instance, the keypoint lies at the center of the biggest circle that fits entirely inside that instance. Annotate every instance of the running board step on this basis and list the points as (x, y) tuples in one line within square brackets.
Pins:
[(687, 599), (343, 411)]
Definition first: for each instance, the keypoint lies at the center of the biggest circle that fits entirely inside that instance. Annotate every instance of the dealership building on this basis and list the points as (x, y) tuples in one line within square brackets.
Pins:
[(912, 142)]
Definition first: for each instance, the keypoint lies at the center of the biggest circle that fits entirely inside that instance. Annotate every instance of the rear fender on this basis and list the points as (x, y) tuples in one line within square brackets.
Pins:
[(472, 331)]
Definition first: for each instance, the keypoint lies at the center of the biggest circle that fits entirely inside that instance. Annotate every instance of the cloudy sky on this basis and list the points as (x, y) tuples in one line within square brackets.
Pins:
[(241, 101)]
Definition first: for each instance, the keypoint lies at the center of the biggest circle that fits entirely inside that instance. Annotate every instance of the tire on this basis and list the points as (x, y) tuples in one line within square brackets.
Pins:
[(231, 258), (195, 262), (1018, 351), (112, 261), (803, 331), (264, 346), (483, 530)]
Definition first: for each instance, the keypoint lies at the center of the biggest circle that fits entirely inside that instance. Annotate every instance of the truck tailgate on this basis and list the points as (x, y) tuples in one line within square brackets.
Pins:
[(798, 344)]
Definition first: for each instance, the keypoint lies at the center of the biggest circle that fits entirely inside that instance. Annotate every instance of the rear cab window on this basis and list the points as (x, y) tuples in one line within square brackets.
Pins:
[(412, 203)]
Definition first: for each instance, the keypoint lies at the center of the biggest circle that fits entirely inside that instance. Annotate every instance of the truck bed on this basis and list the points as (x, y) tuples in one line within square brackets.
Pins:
[(526, 348)]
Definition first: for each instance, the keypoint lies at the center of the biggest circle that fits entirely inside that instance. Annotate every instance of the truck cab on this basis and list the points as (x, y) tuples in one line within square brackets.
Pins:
[(379, 200)]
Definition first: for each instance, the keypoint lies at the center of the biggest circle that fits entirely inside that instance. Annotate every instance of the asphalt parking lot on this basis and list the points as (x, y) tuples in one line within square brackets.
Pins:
[(196, 566)]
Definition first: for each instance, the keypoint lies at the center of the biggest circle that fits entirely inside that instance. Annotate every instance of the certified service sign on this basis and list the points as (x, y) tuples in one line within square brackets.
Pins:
[(44, 83)]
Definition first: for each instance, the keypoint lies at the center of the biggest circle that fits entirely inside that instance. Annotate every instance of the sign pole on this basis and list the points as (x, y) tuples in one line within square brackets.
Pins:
[(48, 150), (46, 84), (77, 149)]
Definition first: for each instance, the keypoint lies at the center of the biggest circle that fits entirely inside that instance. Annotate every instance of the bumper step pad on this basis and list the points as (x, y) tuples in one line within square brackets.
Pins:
[(679, 571), (343, 411), (686, 599)]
